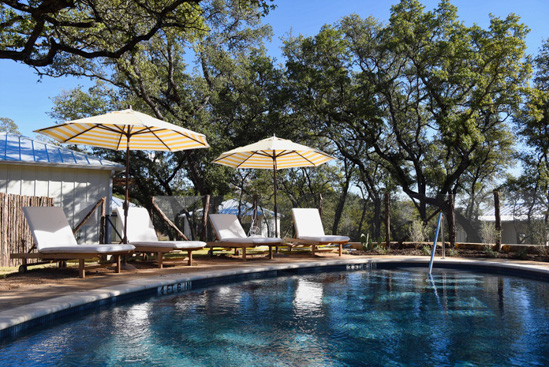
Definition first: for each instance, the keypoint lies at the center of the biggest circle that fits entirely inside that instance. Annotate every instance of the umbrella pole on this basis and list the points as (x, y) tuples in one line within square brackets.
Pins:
[(276, 209), (127, 199)]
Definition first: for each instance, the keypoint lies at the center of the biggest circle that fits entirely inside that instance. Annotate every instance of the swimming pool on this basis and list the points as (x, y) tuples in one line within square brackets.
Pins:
[(379, 317)]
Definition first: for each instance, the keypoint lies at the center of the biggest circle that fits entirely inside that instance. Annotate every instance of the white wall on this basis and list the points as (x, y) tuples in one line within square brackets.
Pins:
[(75, 190)]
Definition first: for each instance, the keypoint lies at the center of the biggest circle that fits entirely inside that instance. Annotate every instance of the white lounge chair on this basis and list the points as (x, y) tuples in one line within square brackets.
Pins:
[(309, 230), (55, 240), (142, 235), (230, 234)]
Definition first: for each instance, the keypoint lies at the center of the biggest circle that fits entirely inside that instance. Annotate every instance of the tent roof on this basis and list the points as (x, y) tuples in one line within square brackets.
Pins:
[(511, 213), (18, 149), (231, 207)]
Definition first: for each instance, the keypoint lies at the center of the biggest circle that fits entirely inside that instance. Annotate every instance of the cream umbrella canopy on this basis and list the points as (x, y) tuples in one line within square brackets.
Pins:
[(273, 153), (126, 130)]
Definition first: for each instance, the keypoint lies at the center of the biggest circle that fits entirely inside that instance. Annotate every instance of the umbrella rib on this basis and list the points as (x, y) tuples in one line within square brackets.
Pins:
[(156, 136), (230, 155), (70, 138), (307, 159), (153, 131), (190, 137)]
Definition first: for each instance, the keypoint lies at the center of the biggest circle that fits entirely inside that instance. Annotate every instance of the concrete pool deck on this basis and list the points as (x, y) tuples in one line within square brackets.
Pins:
[(22, 306)]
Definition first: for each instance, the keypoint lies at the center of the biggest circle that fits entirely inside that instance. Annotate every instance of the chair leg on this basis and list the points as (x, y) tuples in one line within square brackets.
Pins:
[(118, 263), (159, 259), (340, 249), (190, 252), (271, 252), (244, 253), (81, 270)]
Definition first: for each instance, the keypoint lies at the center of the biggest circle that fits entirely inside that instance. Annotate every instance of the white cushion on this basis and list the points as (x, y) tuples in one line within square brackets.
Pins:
[(87, 249), (176, 245), (254, 240), (307, 222), (326, 238), (140, 225), (49, 227), (52, 233), (227, 226)]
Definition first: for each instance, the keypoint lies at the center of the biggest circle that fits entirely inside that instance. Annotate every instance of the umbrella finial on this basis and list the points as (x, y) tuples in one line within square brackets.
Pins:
[(130, 107)]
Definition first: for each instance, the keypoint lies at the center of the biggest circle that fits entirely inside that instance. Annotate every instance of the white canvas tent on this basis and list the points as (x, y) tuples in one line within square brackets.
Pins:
[(513, 221)]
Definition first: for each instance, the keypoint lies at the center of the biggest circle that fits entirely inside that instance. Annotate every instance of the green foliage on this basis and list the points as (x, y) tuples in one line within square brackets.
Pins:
[(67, 34), (488, 233), (426, 250), (7, 124), (452, 252), (490, 252), (424, 97), (417, 231), (418, 105)]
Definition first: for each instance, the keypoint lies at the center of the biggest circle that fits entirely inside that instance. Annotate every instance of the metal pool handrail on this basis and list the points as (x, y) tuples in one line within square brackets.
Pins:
[(435, 243)]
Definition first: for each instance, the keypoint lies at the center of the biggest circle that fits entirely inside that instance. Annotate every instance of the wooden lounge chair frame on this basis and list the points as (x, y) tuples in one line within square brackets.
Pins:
[(230, 235), (55, 241), (142, 235), (310, 231)]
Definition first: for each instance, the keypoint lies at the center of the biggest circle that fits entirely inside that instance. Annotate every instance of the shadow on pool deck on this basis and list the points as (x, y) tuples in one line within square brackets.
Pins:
[(42, 284)]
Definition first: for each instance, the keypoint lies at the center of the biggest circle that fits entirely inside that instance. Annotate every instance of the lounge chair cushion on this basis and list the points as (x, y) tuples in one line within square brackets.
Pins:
[(141, 232), (227, 226), (229, 229), (255, 241), (87, 249), (307, 222), (176, 245), (308, 226), (140, 226), (326, 238), (52, 233)]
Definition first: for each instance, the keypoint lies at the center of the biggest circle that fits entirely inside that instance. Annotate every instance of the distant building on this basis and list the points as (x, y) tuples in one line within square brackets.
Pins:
[(76, 181), (514, 222)]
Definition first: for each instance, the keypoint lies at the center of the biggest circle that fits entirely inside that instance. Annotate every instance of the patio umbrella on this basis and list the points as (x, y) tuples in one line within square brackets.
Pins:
[(126, 130), (273, 153)]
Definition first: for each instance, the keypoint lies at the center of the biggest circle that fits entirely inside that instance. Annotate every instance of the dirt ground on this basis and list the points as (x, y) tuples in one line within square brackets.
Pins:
[(61, 277)]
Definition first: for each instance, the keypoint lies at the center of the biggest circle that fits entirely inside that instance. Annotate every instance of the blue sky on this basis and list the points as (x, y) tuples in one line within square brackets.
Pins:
[(26, 100)]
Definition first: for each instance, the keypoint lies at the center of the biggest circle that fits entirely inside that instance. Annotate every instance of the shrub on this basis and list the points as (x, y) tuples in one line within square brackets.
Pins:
[(426, 250), (416, 231), (489, 252), (452, 252), (488, 232)]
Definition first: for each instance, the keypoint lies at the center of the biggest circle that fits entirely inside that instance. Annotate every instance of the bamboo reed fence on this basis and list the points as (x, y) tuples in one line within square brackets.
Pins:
[(15, 235)]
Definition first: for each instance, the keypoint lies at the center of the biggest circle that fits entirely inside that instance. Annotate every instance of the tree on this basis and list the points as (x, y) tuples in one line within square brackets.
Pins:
[(443, 94), (61, 32), (324, 98), (228, 84), (532, 123), (7, 124)]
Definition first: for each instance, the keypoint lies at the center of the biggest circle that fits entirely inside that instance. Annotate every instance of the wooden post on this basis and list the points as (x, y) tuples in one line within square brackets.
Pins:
[(205, 214), (254, 208), (452, 221), (387, 222), (320, 204), (100, 202), (168, 221), (498, 221), (103, 223)]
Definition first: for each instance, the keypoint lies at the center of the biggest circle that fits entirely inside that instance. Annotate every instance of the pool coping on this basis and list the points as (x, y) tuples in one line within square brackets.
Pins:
[(21, 318)]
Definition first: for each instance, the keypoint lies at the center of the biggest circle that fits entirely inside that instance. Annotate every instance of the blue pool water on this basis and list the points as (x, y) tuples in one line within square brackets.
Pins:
[(368, 318)]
